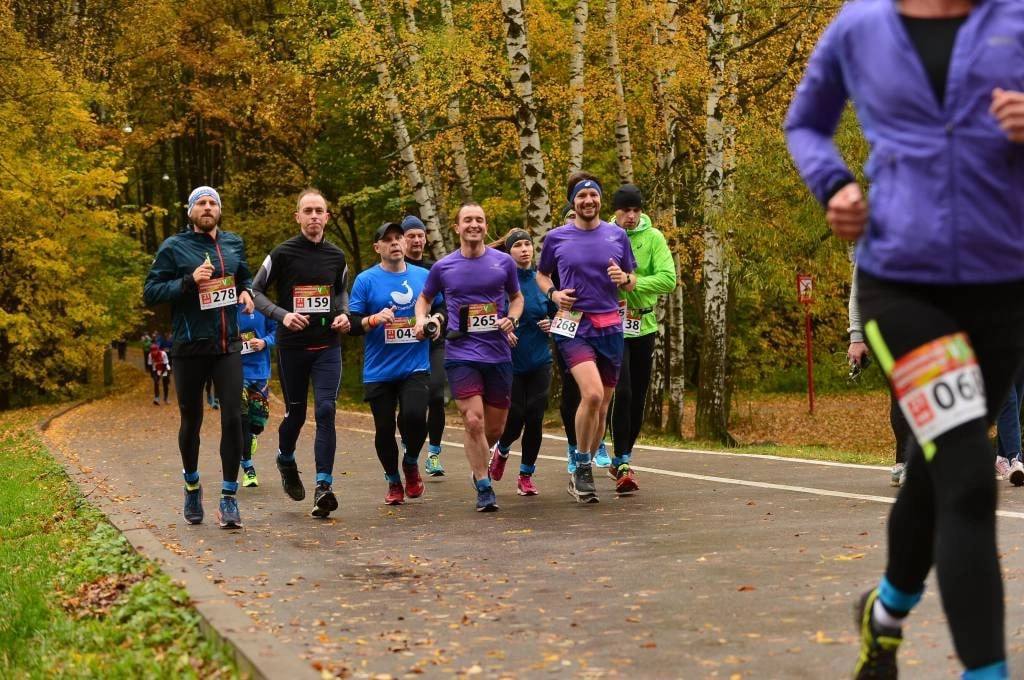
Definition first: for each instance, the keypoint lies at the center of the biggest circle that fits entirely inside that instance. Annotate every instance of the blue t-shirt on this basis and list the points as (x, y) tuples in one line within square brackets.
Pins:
[(391, 352), (256, 365)]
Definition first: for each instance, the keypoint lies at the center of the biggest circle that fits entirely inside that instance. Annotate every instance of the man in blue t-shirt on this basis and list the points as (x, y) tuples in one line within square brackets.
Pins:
[(396, 361)]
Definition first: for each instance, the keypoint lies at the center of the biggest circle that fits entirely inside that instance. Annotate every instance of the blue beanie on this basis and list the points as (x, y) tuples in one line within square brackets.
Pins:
[(198, 193), (412, 222)]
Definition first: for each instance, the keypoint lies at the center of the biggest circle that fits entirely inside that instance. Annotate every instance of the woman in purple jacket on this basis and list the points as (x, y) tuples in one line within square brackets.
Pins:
[(936, 85)]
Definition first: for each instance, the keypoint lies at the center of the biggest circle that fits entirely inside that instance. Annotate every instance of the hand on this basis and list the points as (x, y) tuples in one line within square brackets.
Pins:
[(618, 277), (505, 324), (341, 324), (295, 322), (512, 339), (203, 272), (386, 315), (246, 300), (257, 344), (545, 325), (847, 212), (564, 298), (421, 321), (855, 355), (1008, 108)]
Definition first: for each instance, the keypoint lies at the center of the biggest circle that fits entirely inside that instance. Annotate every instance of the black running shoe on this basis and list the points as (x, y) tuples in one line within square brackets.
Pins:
[(878, 644), (324, 500), (194, 505), (581, 484), (290, 480)]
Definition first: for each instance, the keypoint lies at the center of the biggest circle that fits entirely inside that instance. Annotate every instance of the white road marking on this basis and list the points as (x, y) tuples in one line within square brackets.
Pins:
[(740, 482)]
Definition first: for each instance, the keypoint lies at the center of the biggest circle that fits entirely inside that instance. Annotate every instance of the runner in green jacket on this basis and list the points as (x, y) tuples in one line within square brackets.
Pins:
[(656, 276)]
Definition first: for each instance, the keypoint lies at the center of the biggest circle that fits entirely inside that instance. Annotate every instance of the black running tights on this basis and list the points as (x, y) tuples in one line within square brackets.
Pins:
[(190, 374), (409, 398), (627, 411), (526, 415)]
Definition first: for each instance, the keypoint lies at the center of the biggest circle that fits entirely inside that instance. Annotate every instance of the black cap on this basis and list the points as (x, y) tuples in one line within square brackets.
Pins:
[(385, 228), (627, 196)]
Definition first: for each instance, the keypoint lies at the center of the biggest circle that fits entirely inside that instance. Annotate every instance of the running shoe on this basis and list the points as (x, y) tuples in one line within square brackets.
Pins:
[(413, 481), (525, 486), (290, 480), (156, 401), (433, 466), (324, 500), (878, 644), (249, 477), (486, 500), (1002, 468), (898, 474), (1017, 473), (625, 480), (570, 467), (581, 484), (602, 460), (193, 505), (496, 468), (395, 495), (228, 516)]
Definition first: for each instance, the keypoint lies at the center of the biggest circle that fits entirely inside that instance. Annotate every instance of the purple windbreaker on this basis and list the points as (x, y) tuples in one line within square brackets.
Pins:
[(947, 186)]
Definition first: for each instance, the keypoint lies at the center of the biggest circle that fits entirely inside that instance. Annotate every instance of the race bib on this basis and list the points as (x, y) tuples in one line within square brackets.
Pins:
[(311, 299), (401, 331), (482, 318), (939, 386), (217, 293), (246, 337), (631, 321), (566, 323)]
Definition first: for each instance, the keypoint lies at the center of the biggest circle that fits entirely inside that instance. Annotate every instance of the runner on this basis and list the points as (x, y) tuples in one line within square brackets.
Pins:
[(1008, 442), (570, 401), (476, 281), (396, 364), (941, 274), (655, 276), (531, 369), (594, 261), (202, 273), (257, 333), (160, 370), (308, 274), (415, 243)]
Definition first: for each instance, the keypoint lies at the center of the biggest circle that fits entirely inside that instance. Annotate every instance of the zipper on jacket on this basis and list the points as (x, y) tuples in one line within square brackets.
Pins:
[(223, 315)]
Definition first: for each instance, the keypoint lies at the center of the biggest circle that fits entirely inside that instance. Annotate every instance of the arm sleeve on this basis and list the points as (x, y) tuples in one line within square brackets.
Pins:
[(260, 284), (813, 116), (162, 282), (856, 329), (547, 257), (663, 279), (340, 301), (628, 263), (432, 286)]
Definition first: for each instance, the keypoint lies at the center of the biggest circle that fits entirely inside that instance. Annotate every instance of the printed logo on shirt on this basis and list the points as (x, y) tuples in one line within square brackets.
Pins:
[(401, 298)]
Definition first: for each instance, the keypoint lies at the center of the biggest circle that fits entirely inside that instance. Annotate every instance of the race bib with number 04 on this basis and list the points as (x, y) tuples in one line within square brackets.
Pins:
[(217, 293), (311, 299), (566, 323), (482, 318), (248, 336), (939, 387), (401, 331)]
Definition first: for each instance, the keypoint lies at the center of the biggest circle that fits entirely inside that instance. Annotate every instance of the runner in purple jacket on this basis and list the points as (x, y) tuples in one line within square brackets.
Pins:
[(937, 89)]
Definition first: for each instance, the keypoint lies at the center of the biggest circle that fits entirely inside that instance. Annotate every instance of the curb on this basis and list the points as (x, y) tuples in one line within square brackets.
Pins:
[(258, 655)]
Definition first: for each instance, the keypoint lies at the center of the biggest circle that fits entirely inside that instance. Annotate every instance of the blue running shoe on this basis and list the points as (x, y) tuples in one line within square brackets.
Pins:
[(602, 460), (433, 466), (571, 465), (486, 500), (228, 516), (194, 505)]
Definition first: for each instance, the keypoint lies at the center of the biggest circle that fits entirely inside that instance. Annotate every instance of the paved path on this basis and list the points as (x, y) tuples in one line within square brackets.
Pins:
[(723, 566)]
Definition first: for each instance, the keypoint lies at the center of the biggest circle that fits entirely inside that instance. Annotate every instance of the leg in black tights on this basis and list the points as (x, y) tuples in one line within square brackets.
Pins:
[(190, 374), (570, 401), (530, 393), (627, 409)]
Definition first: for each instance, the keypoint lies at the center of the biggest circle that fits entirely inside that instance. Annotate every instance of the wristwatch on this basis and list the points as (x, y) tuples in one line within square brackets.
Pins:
[(515, 321)]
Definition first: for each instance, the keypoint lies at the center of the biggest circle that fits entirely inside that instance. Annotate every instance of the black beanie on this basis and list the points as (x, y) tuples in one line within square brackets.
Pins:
[(627, 196)]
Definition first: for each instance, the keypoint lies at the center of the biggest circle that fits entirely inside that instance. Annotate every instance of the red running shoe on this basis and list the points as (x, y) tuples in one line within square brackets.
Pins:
[(413, 481), (396, 496), (525, 487), (496, 468), (625, 480)]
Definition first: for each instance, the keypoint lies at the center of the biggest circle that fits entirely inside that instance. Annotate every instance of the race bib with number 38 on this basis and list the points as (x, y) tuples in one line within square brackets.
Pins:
[(482, 318), (311, 299), (217, 293), (566, 323), (939, 386)]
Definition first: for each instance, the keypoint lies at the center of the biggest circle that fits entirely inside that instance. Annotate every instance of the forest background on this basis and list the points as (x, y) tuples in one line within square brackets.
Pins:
[(112, 110)]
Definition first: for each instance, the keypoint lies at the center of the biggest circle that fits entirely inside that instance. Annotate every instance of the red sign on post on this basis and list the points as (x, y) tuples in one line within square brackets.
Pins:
[(805, 293), (805, 288)]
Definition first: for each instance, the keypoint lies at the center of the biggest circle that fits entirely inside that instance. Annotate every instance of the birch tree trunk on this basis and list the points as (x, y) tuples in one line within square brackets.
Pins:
[(676, 351), (654, 409), (531, 158), (712, 401), (623, 148), (579, 34), (454, 115), (407, 154)]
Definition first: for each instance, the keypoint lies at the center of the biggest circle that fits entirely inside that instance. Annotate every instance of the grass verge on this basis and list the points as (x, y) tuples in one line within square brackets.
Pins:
[(77, 600)]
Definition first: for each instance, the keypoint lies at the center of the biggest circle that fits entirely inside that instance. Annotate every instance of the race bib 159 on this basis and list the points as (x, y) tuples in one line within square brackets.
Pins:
[(311, 299)]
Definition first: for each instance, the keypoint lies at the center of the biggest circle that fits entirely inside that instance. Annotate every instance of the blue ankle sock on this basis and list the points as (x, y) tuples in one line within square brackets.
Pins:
[(627, 456), (434, 450), (324, 477), (571, 449), (503, 450), (191, 478), (247, 464), (898, 602), (482, 484), (228, 488), (617, 461), (286, 457), (996, 671), (393, 479), (527, 469), (581, 458), (410, 460)]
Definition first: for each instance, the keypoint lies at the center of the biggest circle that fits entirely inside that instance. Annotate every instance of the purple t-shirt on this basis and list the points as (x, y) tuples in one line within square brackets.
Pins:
[(490, 278), (580, 257)]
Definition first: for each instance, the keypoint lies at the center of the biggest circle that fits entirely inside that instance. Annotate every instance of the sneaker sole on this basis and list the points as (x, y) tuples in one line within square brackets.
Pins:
[(227, 525), (527, 493), (413, 495), (601, 464), (387, 502), (583, 497), (436, 474), (327, 504), (1017, 478), (627, 488), (193, 520), (250, 485), (493, 507)]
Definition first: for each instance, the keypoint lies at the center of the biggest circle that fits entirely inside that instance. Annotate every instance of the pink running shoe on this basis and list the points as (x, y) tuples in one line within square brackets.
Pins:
[(496, 468), (525, 486)]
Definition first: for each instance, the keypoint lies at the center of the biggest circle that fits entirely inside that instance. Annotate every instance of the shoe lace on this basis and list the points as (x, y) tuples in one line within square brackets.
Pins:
[(586, 473)]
